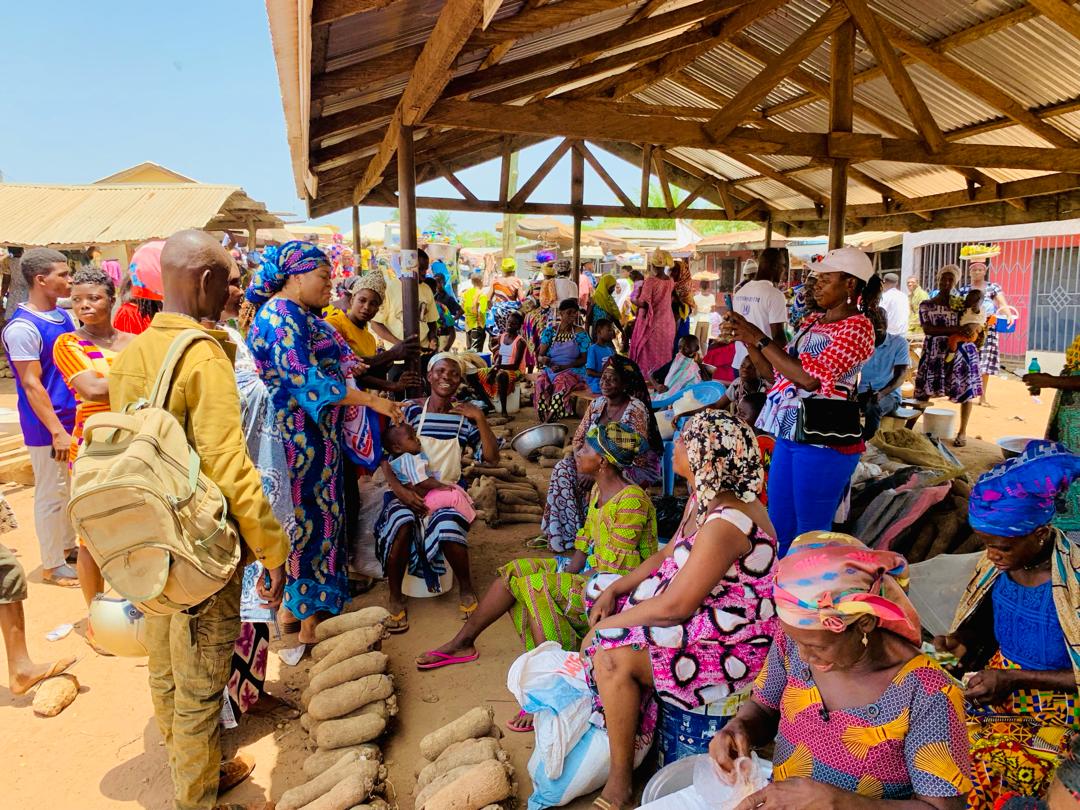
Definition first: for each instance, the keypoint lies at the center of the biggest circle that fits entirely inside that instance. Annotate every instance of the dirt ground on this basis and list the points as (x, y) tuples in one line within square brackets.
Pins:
[(105, 751)]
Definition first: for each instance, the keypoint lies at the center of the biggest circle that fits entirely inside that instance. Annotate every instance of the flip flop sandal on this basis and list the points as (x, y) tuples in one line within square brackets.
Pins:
[(58, 668), (398, 623), (538, 543), (444, 660), (516, 726), (467, 610), (603, 804)]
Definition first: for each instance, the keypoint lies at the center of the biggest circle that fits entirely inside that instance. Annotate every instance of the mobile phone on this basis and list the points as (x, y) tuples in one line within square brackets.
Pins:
[(727, 302)]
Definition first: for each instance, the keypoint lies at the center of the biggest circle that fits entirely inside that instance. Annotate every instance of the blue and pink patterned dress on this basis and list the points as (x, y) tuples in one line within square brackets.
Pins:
[(304, 362), (960, 380)]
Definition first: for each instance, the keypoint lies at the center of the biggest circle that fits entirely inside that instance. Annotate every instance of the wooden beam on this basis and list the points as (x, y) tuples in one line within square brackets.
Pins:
[(963, 37), (565, 209), (735, 111), (504, 172), (647, 10), (575, 119), (661, 177), (1047, 111), (347, 151), (684, 206), (973, 83), (453, 180), (541, 18), (457, 20), (646, 175), (609, 181), (350, 122), (324, 12), (887, 192), (764, 169), (715, 35), (541, 172), (898, 77), (410, 297), (841, 119), (698, 87), (1063, 14), (495, 55)]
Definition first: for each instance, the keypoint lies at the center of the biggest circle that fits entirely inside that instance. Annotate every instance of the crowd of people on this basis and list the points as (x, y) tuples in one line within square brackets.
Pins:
[(308, 401)]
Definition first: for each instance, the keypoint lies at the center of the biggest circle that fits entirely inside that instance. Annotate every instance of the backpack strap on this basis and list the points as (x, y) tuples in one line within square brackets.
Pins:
[(160, 392)]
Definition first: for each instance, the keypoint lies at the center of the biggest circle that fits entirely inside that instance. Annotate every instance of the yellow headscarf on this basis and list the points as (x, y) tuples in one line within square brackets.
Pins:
[(603, 298)]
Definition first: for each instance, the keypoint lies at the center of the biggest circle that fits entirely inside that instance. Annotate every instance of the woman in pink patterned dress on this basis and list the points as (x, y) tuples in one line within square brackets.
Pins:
[(652, 343), (694, 622)]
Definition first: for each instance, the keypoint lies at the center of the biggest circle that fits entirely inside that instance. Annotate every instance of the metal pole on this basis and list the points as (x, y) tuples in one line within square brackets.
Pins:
[(410, 302)]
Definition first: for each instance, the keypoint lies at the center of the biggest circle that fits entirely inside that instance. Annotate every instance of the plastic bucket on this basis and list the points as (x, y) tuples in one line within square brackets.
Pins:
[(513, 399), (682, 733), (941, 423), (415, 586)]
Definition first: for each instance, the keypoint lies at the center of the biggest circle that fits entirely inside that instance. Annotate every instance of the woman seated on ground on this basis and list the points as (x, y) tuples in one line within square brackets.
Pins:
[(960, 380), (693, 623), (406, 537), (561, 357), (546, 603), (508, 362), (861, 718), (623, 398), (1018, 626)]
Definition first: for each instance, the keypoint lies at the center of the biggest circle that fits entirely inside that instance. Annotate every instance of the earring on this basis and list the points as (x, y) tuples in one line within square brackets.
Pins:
[(849, 300), (865, 640)]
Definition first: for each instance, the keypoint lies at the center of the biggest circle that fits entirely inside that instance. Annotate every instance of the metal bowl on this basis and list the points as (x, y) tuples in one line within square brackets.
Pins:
[(1012, 446), (530, 440)]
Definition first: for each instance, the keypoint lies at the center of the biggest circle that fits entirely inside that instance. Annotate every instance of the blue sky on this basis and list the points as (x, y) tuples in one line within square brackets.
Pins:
[(90, 89)]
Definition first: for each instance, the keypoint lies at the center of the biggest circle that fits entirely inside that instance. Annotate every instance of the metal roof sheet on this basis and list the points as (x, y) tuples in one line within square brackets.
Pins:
[(100, 214)]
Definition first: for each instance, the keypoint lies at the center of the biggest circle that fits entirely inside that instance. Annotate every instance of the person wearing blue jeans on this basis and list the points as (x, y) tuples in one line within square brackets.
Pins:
[(807, 482)]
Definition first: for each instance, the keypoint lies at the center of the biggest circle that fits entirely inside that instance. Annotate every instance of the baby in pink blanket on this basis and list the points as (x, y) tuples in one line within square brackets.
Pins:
[(410, 465)]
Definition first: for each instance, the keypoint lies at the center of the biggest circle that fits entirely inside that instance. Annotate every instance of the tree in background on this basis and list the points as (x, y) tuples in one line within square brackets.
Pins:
[(444, 223), (656, 200)]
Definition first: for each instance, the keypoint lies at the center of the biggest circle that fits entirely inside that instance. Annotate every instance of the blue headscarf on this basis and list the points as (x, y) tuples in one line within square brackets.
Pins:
[(1017, 497), (291, 259)]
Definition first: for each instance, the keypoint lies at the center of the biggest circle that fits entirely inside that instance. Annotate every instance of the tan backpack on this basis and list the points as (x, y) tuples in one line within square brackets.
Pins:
[(156, 526)]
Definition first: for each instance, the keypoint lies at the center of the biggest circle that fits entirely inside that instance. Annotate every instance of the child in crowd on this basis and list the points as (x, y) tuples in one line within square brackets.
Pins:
[(508, 352), (972, 324), (410, 465), (682, 372), (602, 348), (748, 382)]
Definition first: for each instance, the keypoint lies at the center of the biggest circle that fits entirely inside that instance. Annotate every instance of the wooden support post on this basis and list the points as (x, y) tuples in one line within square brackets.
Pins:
[(646, 174), (252, 237), (577, 200), (406, 171), (768, 231), (356, 237), (576, 259), (841, 113)]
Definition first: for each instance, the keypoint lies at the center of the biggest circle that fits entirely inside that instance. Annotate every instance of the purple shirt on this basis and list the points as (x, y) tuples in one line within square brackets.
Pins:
[(20, 345)]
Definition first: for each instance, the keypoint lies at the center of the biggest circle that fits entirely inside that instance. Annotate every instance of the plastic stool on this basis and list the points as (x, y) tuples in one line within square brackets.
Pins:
[(669, 467)]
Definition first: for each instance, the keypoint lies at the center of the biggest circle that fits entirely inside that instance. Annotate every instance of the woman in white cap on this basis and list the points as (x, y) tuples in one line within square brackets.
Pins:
[(810, 470)]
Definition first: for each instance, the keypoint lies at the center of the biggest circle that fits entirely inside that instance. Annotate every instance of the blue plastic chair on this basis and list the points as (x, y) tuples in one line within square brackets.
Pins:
[(668, 466)]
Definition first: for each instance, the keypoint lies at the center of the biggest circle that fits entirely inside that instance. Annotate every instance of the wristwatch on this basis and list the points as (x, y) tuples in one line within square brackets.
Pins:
[(764, 343)]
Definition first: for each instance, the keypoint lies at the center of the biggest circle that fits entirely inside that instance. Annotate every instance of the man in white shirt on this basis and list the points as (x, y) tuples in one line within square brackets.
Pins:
[(761, 303), (895, 304), (565, 287)]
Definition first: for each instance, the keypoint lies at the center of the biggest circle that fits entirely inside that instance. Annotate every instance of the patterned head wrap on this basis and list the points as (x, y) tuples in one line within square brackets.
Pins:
[(724, 456), (828, 580), (951, 269), (368, 281), (145, 270), (548, 270), (617, 443), (291, 259), (1018, 497)]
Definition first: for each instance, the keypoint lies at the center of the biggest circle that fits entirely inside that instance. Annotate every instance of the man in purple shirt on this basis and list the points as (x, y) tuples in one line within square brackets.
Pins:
[(46, 404)]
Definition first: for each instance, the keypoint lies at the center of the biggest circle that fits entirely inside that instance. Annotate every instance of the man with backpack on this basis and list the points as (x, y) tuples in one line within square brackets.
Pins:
[(191, 650)]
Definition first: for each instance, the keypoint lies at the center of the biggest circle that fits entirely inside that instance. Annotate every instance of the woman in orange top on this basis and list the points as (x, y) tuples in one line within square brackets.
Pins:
[(84, 357)]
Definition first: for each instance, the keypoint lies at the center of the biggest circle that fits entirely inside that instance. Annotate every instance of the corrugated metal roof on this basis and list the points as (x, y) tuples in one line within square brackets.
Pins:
[(101, 214)]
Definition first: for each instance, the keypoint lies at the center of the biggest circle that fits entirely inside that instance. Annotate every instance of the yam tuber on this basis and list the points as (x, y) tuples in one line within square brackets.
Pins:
[(55, 694), (516, 499), (366, 637), (372, 663), (474, 723), (548, 463), (322, 760), (352, 643), (364, 617), (297, 797), (339, 701), (349, 791), (551, 452), (346, 731), (437, 784), (483, 784), (384, 709), (374, 803), (466, 752)]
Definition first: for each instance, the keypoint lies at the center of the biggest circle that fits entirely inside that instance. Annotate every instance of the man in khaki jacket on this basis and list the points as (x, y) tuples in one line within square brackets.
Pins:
[(191, 652)]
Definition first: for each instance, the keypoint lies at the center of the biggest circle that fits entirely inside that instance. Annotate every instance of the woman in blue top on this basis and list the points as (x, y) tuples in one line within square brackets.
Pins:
[(1018, 626), (561, 357), (306, 367)]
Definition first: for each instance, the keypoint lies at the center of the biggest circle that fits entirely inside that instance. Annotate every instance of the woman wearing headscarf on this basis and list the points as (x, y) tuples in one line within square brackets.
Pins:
[(507, 293), (860, 717), (623, 398), (561, 357), (308, 368), (407, 538), (546, 603), (960, 380), (134, 316), (682, 298), (1018, 625), (603, 306), (994, 301), (652, 343), (693, 623)]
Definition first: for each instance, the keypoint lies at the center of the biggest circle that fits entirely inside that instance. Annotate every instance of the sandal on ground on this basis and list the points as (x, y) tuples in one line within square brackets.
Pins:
[(233, 772), (520, 727), (64, 577), (398, 622), (444, 660), (58, 668), (603, 804), (537, 543), (959, 441), (467, 610)]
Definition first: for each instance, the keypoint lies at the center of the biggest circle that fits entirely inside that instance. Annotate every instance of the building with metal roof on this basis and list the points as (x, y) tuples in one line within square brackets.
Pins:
[(886, 115)]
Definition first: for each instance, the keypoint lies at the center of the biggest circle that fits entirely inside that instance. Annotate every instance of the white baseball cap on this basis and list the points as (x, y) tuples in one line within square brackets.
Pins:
[(848, 260)]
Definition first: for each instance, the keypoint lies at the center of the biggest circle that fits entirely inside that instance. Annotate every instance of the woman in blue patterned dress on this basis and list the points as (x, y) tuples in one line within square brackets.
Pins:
[(561, 358), (307, 368)]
